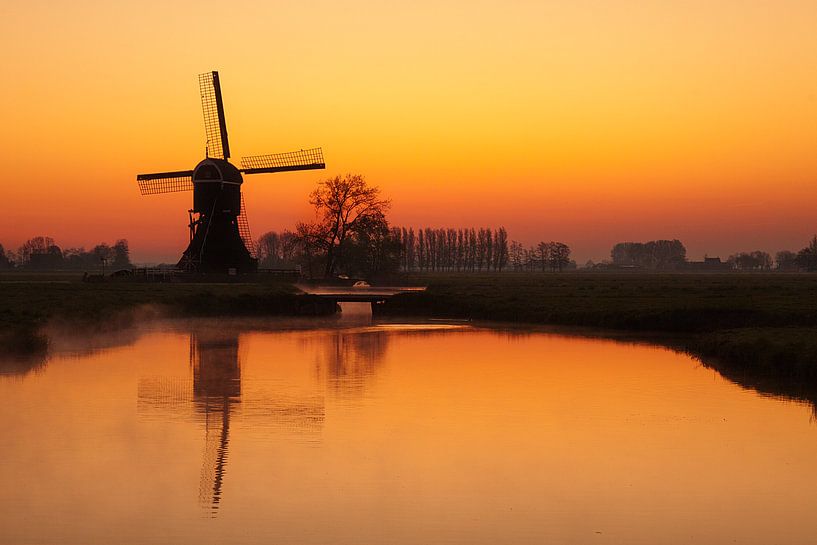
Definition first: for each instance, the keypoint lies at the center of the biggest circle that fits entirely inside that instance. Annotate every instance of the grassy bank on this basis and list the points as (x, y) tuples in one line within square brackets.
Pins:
[(28, 302), (634, 302), (765, 323)]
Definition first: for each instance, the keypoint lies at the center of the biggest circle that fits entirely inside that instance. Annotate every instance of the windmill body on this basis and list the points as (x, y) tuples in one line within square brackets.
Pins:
[(216, 244), (220, 240)]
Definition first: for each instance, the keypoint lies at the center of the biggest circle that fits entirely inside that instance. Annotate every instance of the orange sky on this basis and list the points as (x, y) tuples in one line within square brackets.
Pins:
[(587, 122)]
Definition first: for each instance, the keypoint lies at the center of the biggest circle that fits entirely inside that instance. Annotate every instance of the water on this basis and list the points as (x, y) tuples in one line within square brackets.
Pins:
[(257, 432)]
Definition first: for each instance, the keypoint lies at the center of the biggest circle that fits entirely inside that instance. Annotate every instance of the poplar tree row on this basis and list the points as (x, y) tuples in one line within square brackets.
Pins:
[(446, 249)]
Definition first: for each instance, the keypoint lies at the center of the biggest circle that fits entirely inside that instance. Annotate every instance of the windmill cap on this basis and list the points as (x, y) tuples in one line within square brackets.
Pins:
[(216, 169)]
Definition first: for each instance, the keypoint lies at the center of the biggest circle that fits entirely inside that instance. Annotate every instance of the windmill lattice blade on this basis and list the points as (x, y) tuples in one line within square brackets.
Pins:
[(244, 230), (305, 159), (215, 127), (165, 182)]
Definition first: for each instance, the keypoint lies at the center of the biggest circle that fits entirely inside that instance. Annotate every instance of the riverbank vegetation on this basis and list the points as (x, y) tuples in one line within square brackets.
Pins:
[(29, 301)]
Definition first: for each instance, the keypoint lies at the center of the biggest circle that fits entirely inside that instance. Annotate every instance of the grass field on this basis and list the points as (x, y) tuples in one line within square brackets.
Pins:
[(648, 302)]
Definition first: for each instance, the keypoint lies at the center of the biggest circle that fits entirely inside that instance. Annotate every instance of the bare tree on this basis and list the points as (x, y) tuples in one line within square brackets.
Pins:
[(5, 259), (342, 204), (807, 257), (786, 260), (543, 255), (121, 254), (36, 245), (559, 254), (500, 249)]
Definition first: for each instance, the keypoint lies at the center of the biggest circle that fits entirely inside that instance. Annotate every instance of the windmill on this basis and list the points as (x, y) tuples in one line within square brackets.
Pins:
[(220, 239)]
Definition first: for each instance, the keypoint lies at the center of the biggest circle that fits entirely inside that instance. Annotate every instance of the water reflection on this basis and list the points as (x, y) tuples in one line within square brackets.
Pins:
[(351, 359), (20, 365), (422, 433), (346, 360), (351, 355), (215, 386)]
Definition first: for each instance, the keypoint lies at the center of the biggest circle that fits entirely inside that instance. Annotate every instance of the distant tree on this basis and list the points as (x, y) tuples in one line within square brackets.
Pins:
[(5, 262), (542, 255), (558, 255), (461, 246), (489, 249), (627, 253), (277, 250), (516, 254), (36, 245), (103, 252), (13, 258), (482, 250), (500, 249), (786, 260), (411, 253), (342, 205), (807, 257), (267, 247), (49, 259), (751, 261), (121, 255), (529, 259), (421, 250), (431, 249), (741, 261), (763, 260), (472, 249), (77, 258), (655, 254)]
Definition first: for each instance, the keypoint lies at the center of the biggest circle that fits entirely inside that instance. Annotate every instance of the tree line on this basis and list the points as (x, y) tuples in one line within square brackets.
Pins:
[(452, 249), (350, 235), (544, 256), (655, 254), (42, 253), (805, 259), (671, 255), (784, 260), (472, 249)]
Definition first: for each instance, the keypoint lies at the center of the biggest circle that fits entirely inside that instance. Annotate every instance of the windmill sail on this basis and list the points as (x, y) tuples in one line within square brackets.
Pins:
[(214, 124), (244, 230), (305, 159), (165, 182)]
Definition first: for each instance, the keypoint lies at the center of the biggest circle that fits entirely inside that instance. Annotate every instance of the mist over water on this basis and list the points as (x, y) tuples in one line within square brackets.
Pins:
[(346, 430)]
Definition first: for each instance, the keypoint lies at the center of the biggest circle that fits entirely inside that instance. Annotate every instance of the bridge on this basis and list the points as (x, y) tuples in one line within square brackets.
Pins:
[(344, 294)]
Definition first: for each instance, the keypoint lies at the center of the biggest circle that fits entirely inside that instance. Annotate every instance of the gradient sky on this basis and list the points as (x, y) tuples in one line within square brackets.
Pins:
[(586, 122)]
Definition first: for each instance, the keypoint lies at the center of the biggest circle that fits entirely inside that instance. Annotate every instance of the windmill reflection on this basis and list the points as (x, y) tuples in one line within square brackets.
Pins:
[(216, 387), (210, 398)]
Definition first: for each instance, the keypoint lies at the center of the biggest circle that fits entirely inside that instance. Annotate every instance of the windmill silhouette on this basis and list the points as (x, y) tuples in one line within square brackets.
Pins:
[(220, 240)]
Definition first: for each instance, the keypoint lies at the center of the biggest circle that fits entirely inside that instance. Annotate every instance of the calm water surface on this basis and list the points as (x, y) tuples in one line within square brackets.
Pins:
[(351, 432)]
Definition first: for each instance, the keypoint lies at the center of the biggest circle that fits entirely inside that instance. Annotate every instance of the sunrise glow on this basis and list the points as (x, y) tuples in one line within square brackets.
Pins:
[(588, 122)]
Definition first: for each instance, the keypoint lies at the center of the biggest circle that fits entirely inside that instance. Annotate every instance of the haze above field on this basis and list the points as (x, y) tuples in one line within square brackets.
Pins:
[(586, 122)]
